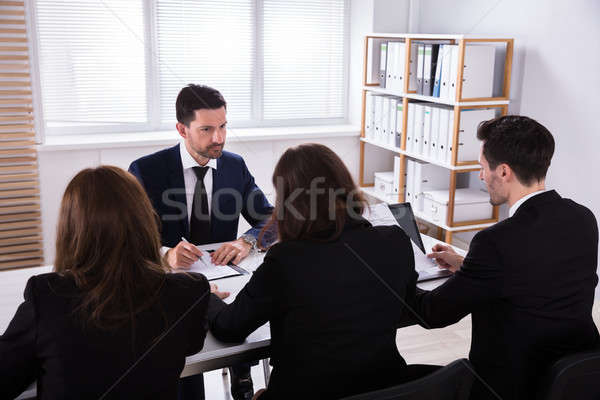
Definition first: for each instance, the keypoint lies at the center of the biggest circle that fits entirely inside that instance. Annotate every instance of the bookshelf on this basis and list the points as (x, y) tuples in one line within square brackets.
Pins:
[(498, 101), (437, 100)]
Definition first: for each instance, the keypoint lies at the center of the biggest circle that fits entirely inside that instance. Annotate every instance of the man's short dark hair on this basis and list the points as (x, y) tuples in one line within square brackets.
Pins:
[(196, 97), (521, 142)]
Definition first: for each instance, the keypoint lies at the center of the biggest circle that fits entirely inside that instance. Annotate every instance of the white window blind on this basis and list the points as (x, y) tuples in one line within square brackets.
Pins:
[(117, 65), (303, 59), (208, 42), (92, 65)]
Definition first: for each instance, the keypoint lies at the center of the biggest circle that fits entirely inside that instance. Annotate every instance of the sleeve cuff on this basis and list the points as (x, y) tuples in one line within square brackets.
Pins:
[(215, 305)]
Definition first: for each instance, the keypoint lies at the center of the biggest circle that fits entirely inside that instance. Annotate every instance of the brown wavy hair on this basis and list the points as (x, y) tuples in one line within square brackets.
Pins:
[(315, 195), (108, 242)]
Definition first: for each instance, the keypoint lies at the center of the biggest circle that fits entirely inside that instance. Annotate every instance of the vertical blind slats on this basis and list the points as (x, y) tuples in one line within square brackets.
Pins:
[(94, 72), (92, 62), (20, 225)]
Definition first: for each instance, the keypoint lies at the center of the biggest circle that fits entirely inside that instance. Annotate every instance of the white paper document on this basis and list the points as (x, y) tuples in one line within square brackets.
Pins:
[(205, 266), (422, 262), (252, 262), (379, 214)]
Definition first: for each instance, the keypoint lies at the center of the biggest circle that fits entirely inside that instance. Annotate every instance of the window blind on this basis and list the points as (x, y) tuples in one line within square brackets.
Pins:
[(208, 42), (117, 65), (92, 63), (20, 225), (303, 59)]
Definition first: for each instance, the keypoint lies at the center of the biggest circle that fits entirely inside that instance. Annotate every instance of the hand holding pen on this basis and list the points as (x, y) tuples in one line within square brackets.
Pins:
[(183, 255)]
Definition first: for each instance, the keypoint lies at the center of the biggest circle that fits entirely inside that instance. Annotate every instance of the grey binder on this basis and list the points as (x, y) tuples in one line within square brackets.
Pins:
[(382, 64), (420, 63)]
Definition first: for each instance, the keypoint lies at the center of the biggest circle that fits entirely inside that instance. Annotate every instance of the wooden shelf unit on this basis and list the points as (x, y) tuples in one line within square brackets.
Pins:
[(458, 104)]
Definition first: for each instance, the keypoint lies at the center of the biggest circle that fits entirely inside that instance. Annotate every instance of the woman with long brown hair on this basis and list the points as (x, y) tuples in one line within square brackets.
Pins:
[(110, 321), (334, 288)]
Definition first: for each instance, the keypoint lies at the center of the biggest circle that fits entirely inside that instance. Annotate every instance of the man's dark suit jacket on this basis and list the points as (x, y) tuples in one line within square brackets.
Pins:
[(528, 283), (332, 308), (47, 341), (234, 192)]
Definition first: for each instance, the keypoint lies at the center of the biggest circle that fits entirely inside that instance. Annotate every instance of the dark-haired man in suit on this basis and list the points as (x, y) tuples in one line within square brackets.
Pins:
[(199, 191), (528, 281)]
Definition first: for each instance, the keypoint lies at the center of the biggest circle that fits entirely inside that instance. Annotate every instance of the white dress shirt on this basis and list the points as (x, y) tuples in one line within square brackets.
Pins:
[(190, 179), (522, 200)]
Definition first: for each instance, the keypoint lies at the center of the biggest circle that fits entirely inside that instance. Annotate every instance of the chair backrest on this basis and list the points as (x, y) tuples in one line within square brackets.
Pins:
[(452, 382), (573, 377)]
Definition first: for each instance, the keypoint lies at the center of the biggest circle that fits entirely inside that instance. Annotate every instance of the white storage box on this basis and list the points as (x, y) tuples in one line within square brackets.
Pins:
[(384, 183), (469, 205)]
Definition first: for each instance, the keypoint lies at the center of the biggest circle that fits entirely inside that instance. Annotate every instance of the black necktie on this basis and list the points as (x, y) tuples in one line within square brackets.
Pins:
[(200, 219)]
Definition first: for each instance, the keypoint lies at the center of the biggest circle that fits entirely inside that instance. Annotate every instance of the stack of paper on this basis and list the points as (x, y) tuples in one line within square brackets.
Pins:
[(206, 267)]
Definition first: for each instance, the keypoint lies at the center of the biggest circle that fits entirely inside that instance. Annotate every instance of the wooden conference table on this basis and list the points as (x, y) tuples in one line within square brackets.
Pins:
[(214, 355)]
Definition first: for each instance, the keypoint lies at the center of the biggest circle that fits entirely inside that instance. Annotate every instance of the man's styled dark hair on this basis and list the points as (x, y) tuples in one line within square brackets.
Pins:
[(521, 142), (196, 97)]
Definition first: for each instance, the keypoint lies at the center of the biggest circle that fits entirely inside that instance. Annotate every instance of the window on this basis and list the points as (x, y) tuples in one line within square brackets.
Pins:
[(303, 59), (117, 65), (92, 69)]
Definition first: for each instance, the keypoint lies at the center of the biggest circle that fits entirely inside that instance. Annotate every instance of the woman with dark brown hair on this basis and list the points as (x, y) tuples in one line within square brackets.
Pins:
[(333, 288), (110, 322)]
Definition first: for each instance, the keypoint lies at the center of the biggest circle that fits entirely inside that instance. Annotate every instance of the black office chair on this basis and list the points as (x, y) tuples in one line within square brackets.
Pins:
[(452, 382), (573, 377)]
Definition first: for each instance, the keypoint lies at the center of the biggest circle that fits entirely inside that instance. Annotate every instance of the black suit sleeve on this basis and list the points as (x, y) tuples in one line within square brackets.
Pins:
[(409, 313), (402, 241), (478, 281), (19, 366), (198, 318), (256, 208), (255, 305)]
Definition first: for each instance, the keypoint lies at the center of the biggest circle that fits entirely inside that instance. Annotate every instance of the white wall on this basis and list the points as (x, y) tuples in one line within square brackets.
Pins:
[(368, 16), (555, 74), (361, 24), (391, 16)]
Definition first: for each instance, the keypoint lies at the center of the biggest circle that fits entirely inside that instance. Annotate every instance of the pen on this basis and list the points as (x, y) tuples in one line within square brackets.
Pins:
[(200, 258)]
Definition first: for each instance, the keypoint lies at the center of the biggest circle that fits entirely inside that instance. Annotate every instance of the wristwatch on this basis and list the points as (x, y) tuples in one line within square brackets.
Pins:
[(251, 240)]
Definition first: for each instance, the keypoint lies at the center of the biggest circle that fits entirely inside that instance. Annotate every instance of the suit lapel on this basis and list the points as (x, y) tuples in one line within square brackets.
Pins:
[(177, 184)]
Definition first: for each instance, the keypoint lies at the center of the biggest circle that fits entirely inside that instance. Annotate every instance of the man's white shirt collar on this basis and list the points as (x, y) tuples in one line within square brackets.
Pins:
[(522, 200), (187, 161)]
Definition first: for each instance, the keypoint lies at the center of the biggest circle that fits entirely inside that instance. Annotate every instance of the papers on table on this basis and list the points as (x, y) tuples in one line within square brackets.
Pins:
[(379, 214), (421, 261), (205, 266), (252, 262)]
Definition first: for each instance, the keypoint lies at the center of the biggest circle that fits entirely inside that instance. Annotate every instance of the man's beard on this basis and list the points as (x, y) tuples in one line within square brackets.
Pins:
[(497, 202), (495, 199), (212, 152)]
